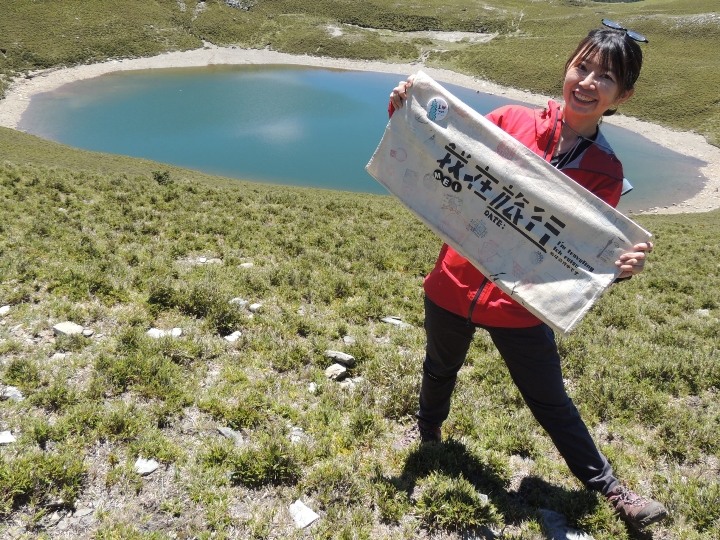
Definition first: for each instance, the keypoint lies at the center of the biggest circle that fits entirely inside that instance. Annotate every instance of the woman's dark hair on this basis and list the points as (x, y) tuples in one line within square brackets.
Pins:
[(616, 52)]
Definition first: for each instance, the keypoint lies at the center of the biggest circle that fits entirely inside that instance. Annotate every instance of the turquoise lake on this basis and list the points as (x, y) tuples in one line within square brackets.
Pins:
[(286, 125)]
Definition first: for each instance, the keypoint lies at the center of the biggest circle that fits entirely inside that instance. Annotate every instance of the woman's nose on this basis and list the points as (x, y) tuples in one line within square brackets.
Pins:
[(589, 79)]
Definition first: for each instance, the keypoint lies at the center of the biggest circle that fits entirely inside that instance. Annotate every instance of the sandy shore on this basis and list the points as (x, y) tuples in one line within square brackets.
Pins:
[(691, 144)]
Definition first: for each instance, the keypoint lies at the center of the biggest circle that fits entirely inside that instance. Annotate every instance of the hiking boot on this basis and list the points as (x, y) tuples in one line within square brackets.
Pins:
[(428, 435), (635, 510), (415, 433)]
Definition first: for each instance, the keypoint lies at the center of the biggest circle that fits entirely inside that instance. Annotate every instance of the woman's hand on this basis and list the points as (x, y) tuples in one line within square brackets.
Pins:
[(399, 94), (633, 262)]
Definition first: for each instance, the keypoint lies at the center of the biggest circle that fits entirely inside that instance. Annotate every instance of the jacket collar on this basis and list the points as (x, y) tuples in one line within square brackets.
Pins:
[(548, 127)]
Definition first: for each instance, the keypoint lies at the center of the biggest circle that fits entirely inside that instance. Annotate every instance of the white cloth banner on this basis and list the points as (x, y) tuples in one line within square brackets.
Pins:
[(537, 234)]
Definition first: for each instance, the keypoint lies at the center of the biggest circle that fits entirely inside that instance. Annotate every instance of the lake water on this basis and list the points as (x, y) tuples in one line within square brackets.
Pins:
[(284, 124)]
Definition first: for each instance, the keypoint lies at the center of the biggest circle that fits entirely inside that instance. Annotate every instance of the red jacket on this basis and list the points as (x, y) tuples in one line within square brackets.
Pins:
[(455, 284)]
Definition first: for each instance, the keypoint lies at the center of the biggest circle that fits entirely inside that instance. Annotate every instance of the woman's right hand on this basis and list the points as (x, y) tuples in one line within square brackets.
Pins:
[(399, 93)]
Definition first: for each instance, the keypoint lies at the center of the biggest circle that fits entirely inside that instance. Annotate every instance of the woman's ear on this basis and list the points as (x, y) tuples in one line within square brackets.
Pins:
[(622, 98)]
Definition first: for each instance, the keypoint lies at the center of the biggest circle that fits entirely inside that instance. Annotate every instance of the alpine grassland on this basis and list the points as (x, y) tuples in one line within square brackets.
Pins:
[(241, 429)]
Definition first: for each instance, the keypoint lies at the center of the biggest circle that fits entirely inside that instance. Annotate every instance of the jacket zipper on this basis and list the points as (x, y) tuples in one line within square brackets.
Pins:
[(475, 300), (485, 279), (552, 135)]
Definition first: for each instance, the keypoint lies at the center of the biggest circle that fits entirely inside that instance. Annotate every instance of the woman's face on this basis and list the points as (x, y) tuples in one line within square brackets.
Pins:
[(589, 90)]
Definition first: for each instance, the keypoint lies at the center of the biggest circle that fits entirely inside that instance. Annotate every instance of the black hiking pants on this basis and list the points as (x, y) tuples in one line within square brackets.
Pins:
[(532, 358)]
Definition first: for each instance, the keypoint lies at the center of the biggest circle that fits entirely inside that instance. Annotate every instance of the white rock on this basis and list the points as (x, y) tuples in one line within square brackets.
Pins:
[(347, 384), (156, 333), (67, 328), (82, 512), (556, 526), (246, 265), (240, 302), (202, 260), (397, 321), (4, 310), (312, 388), (59, 356), (10, 392), (88, 332), (297, 435), (341, 357), (348, 340), (254, 308), (145, 466), (6, 437), (229, 433), (336, 372), (232, 338), (302, 515)]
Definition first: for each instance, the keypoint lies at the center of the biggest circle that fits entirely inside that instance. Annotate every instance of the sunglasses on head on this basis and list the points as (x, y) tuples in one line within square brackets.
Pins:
[(632, 34)]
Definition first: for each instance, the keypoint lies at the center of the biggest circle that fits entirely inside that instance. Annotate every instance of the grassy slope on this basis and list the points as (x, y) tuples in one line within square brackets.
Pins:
[(109, 242)]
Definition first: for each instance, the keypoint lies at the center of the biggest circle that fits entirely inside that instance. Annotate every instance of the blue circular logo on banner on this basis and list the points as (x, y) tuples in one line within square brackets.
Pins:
[(437, 109)]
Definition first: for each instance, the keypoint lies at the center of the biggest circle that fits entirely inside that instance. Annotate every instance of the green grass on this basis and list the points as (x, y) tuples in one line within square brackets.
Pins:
[(109, 244), (113, 243)]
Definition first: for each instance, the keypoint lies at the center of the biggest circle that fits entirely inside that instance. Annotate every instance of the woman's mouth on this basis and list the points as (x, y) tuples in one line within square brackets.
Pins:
[(582, 98)]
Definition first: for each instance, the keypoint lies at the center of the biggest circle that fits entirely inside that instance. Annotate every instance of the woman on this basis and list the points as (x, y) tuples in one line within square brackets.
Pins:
[(599, 76)]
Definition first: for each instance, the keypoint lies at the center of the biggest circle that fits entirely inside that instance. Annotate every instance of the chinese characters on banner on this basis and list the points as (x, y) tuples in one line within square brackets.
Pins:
[(538, 235)]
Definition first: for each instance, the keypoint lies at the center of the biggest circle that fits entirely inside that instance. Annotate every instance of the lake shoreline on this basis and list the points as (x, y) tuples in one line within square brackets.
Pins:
[(691, 144)]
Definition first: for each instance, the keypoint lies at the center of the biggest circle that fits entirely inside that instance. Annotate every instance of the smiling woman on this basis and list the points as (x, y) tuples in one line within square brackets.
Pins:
[(285, 124)]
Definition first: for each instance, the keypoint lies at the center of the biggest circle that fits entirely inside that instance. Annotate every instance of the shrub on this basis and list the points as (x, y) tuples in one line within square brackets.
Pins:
[(272, 464), (452, 504)]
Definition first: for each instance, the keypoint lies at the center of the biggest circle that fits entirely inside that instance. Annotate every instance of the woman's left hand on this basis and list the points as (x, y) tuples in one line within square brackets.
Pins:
[(633, 262)]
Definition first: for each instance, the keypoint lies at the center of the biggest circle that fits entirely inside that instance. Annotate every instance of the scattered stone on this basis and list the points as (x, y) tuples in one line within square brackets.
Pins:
[(312, 388), (557, 529), (343, 358), (397, 321), (246, 265), (703, 312), (336, 372), (232, 338), (59, 356), (255, 308), (10, 392), (52, 520), (146, 466), (240, 302), (88, 332), (348, 340), (302, 515), (297, 435), (157, 333), (82, 512), (4, 310), (67, 328), (350, 384), (6, 437), (347, 384), (229, 433)]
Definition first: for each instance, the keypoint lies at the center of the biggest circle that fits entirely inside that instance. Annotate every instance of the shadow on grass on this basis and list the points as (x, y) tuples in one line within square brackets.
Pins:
[(452, 458)]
